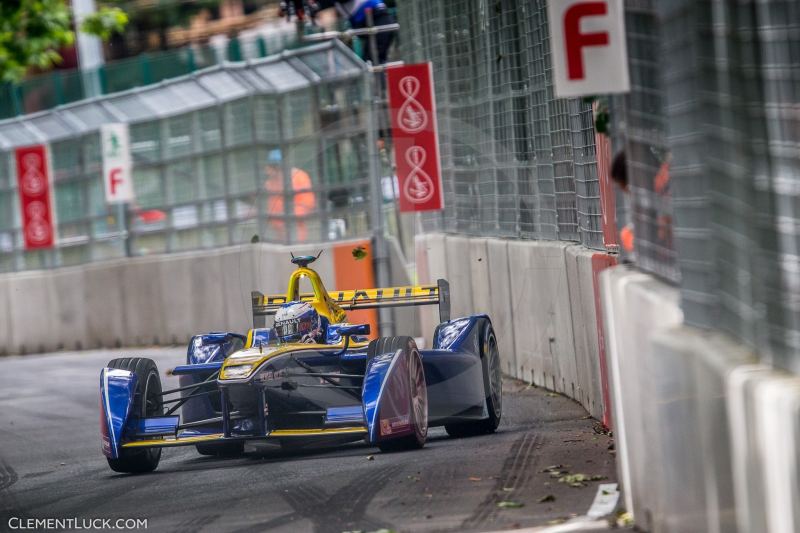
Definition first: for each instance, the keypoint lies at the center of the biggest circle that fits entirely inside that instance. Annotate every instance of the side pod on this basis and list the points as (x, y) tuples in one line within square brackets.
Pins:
[(387, 406), (117, 388)]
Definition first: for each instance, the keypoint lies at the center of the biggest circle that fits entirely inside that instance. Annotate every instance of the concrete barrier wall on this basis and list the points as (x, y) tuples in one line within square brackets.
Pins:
[(151, 300), (707, 438), (540, 296)]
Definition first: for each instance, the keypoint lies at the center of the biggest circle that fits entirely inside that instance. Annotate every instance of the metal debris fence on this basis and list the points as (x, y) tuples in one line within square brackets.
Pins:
[(516, 161), (710, 130)]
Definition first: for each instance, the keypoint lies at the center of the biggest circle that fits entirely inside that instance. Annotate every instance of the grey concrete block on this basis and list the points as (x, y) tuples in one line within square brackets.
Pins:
[(31, 319), (105, 309), (588, 387), (69, 310), (407, 319), (541, 308), (636, 307), (238, 280), (431, 260), (500, 299), (143, 301), (6, 331), (749, 461), (176, 287), (704, 438), (479, 287), (207, 296), (459, 274)]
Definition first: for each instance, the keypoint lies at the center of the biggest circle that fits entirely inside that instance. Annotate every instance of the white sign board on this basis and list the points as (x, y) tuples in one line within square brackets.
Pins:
[(587, 39), (117, 175)]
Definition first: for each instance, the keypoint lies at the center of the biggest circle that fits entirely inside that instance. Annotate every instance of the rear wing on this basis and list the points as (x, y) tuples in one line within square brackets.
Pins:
[(267, 304)]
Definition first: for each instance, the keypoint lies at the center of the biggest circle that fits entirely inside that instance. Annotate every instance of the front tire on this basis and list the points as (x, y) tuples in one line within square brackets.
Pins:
[(418, 392), (146, 403), (493, 388)]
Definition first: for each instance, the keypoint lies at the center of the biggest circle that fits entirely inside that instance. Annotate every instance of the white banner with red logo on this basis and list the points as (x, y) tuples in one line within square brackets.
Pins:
[(35, 199), (415, 137), (117, 167), (587, 39)]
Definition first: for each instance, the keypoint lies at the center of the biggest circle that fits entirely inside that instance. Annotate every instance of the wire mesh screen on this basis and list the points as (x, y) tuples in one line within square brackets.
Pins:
[(644, 121), (273, 150), (714, 102), (515, 160)]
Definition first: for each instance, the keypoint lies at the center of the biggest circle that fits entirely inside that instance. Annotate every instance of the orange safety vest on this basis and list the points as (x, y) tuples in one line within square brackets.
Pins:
[(305, 201)]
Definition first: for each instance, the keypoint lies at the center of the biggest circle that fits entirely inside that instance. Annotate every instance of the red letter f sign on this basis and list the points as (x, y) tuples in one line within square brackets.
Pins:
[(587, 39), (575, 41)]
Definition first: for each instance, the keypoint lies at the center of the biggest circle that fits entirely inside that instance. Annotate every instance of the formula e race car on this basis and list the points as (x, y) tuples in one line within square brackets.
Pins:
[(330, 386)]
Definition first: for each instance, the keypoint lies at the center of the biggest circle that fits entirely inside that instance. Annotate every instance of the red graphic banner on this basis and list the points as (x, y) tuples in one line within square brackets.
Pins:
[(33, 180), (415, 137)]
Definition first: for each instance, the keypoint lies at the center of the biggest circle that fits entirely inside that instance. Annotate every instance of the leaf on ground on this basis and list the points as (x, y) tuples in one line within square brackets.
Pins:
[(508, 504), (474, 478), (624, 519), (557, 521), (508, 489), (548, 498), (370, 458), (578, 480)]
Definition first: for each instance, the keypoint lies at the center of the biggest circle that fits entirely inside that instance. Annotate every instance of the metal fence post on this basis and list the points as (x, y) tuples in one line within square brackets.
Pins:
[(380, 249)]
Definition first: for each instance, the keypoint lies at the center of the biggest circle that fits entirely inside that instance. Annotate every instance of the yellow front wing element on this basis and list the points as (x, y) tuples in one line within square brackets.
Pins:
[(278, 433), (172, 441)]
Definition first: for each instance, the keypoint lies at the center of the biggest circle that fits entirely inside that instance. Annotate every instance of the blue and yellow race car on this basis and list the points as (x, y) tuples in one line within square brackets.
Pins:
[(310, 378)]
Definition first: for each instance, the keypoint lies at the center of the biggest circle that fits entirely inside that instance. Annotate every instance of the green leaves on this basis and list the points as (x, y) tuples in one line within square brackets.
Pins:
[(33, 31), (105, 22), (508, 504), (359, 253), (578, 480)]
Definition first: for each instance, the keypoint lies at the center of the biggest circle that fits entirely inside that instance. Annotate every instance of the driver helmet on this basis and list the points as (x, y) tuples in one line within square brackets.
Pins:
[(298, 322)]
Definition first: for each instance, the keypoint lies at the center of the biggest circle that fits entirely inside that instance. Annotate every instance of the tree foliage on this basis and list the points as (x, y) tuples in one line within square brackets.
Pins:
[(33, 31), (105, 22)]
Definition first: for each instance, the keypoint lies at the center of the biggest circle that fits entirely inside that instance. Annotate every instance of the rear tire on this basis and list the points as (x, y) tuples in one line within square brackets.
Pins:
[(418, 394), (221, 449), (146, 403), (493, 388)]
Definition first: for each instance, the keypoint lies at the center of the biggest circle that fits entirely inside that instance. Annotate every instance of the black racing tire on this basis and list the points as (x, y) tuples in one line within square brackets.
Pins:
[(493, 388), (221, 449), (418, 393), (146, 403)]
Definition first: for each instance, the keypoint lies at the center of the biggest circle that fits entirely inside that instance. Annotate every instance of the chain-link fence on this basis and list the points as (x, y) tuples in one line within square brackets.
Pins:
[(710, 133), (516, 161), (274, 149), (731, 86)]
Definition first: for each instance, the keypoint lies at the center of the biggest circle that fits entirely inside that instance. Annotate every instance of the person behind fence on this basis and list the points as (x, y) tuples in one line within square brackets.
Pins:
[(305, 201), (661, 210), (619, 175), (356, 12)]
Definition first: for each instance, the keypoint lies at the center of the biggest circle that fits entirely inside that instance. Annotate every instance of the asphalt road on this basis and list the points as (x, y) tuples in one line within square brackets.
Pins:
[(51, 466)]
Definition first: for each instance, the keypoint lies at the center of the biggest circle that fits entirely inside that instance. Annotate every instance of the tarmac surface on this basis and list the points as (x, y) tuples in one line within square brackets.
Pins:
[(51, 466)]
